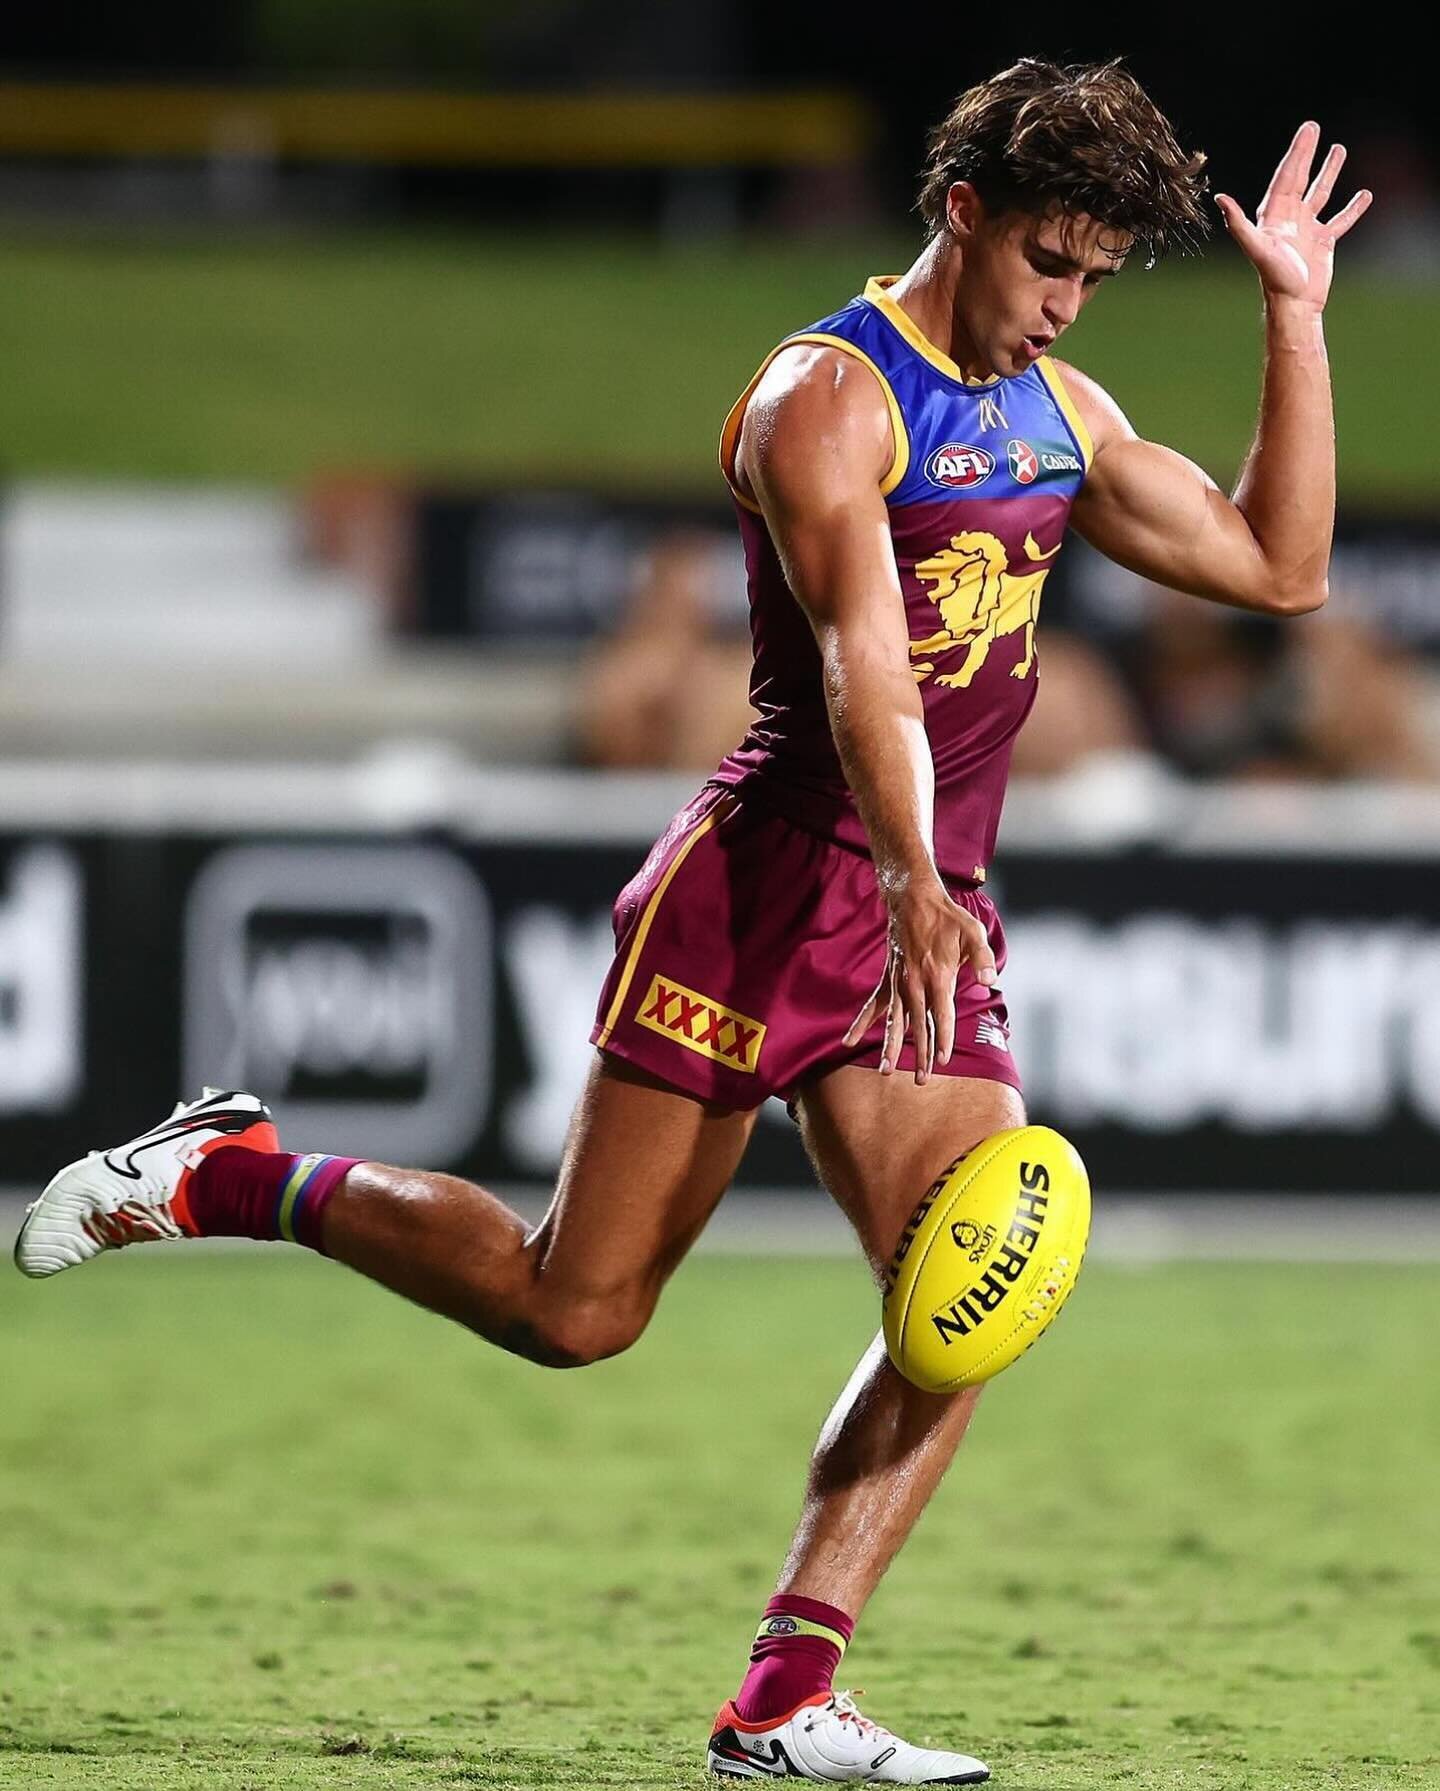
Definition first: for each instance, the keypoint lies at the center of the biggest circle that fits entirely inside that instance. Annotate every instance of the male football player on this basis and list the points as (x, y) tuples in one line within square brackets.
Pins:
[(816, 920)]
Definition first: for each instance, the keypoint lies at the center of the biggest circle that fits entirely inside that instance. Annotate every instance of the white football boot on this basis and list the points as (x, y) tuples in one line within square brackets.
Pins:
[(827, 1738), (135, 1192)]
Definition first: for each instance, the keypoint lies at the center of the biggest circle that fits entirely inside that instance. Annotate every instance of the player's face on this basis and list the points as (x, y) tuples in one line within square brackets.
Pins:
[(1027, 279)]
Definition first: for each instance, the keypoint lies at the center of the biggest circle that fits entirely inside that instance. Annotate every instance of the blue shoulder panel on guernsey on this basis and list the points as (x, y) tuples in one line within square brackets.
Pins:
[(1021, 436)]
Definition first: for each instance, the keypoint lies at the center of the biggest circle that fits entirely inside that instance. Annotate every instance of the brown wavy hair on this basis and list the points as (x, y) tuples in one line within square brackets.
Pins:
[(1081, 137)]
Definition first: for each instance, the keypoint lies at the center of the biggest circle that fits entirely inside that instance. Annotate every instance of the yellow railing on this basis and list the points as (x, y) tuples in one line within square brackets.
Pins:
[(437, 128)]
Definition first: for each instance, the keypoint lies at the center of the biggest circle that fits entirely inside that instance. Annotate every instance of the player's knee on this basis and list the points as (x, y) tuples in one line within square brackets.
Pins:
[(577, 1335)]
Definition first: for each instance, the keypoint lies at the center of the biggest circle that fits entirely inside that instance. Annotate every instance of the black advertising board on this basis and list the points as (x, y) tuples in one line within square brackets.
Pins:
[(556, 565), (1233, 1022)]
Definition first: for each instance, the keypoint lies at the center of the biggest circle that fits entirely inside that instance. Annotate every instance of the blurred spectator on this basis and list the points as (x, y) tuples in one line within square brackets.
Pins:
[(1361, 705), (1213, 692), (669, 689), (1082, 708), (1227, 694)]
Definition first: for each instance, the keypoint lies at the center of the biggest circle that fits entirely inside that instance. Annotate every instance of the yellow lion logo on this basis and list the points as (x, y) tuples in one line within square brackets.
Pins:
[(979, 600)]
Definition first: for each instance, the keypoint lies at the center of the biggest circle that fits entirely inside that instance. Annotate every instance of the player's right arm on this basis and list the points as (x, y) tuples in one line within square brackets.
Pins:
[(815, 448)]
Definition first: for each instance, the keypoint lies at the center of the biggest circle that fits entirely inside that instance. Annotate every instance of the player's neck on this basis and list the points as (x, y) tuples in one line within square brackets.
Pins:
[(926, 294)]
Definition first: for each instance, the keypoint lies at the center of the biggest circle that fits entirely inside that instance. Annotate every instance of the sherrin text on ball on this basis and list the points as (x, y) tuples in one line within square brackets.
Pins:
[(987, 1259)]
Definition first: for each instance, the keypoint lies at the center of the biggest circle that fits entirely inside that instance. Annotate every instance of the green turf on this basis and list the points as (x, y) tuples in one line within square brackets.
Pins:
[(267, 1527), (598, 360)]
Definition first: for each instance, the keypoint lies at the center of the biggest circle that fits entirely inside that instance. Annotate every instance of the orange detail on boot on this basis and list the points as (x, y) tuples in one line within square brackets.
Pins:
[(262, 1137)]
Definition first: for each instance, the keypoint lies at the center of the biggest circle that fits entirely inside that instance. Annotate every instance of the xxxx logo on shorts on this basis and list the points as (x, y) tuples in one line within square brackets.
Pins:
[(701, 1025)]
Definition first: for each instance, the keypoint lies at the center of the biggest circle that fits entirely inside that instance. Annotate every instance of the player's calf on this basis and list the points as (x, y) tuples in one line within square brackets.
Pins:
[(453, 1247), (215, 1168)]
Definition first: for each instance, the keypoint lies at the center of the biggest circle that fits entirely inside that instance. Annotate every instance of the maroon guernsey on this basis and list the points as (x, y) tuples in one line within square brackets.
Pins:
[(978, 497)]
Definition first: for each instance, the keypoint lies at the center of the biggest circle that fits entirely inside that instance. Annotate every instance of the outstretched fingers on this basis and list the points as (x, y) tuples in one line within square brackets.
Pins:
[(917, 998), (1294, 168), (1239, 225), (980, 957), (1352, 213), (944, 1017), (894, 1029), (1323, 184), (865, 1019), (917, 1018), (1258, 244)]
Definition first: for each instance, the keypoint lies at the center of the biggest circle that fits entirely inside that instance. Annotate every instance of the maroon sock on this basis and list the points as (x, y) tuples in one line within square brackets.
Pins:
[(794, 1656), (240, 1193)]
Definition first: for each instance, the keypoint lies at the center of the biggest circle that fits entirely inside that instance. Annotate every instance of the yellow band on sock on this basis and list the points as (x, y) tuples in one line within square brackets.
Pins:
[(304, 1168), (777, 1628)]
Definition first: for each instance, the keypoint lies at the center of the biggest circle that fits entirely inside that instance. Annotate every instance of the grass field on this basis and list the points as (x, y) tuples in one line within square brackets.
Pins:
[(601, 360), (266, 1528)]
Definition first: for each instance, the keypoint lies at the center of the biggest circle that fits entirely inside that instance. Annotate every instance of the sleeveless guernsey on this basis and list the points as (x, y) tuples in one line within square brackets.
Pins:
[(978, 495)]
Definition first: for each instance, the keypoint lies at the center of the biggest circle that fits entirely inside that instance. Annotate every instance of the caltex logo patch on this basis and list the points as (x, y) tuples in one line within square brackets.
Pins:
[(958, 465), (1023, 462)]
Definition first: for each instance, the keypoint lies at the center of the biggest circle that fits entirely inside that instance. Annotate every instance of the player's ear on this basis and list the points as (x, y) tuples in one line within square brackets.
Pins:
[(964, 211)]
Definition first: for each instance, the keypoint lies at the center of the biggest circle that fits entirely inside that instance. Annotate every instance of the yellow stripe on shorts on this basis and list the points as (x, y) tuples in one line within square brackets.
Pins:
[(647, 920)]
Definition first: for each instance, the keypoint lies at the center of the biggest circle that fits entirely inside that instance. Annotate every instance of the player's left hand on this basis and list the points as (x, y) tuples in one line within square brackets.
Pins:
[(1292, 250)]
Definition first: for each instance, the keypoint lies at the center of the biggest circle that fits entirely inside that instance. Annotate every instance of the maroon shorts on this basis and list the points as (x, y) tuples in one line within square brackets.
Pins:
[(746, 946)]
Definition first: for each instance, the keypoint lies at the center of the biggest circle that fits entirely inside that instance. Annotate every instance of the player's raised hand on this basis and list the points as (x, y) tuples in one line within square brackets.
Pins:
[(931, 938), (1292, 249)]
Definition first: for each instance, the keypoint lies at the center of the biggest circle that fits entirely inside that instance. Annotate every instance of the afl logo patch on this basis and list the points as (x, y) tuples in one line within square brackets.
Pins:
[(958, 465), (1023, 463)]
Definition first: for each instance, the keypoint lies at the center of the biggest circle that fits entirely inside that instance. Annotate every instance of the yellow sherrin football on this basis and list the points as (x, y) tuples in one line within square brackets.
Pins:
[(987, 1259)]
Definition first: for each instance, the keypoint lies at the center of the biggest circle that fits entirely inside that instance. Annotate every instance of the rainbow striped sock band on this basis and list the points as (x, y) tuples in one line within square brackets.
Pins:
[(304, 1193)]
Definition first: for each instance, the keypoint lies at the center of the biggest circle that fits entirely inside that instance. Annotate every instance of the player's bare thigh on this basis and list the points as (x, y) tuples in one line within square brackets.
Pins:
[(643, 1169), (879, 1141)]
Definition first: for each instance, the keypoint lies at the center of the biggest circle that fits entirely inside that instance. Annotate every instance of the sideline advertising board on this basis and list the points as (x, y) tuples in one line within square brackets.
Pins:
[(1194, 1016)]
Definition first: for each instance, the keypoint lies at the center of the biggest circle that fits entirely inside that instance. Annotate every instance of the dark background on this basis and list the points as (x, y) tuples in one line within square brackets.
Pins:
[(1230, 79)]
